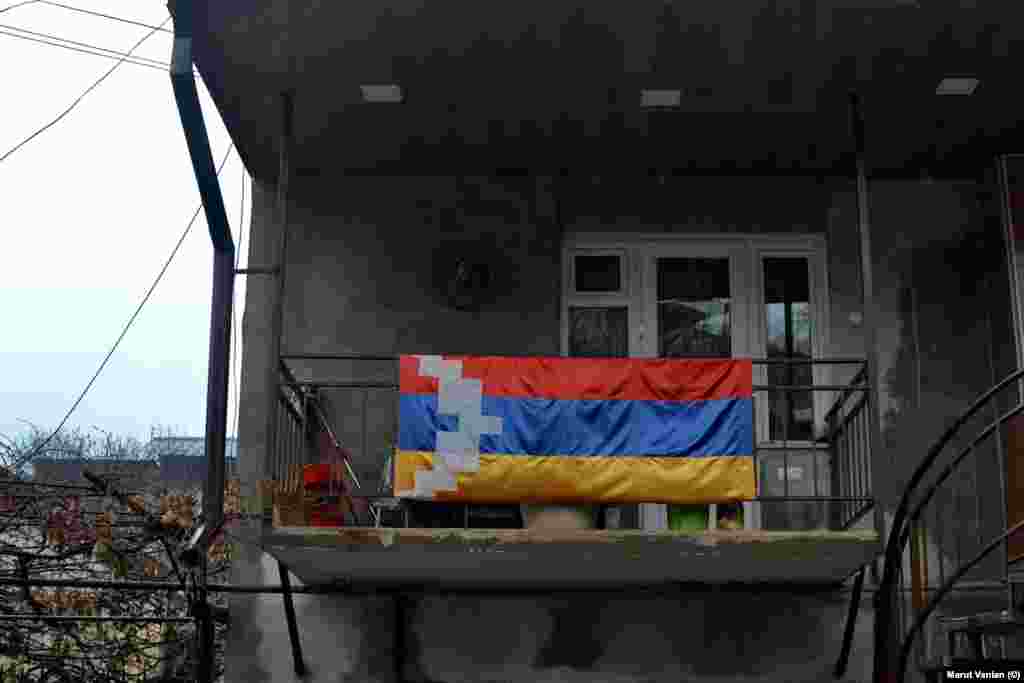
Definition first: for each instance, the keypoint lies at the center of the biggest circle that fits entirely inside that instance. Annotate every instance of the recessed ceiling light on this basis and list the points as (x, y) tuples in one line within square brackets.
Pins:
[(660, 98), (381, 93), (957, 86)]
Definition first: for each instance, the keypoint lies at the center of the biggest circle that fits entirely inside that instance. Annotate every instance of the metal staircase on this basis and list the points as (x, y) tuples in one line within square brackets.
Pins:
[(937, 625)]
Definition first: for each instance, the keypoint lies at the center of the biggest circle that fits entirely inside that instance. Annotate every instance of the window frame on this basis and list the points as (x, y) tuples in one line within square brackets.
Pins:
[(621, 254), (746, 255), (817, 285)]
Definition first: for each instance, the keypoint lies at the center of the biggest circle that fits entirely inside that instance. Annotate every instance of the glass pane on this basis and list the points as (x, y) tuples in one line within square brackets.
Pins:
[(800, 474), (598, 273), (788, 315), (601, 332), (694, 307)]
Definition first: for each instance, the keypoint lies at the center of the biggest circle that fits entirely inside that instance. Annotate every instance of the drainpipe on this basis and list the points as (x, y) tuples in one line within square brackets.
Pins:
[(883, 631), (187, 98)]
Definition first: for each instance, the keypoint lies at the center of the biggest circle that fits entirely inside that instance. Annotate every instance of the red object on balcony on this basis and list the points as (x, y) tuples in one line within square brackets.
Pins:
[(325, 482), (317, 476), (358, 508)]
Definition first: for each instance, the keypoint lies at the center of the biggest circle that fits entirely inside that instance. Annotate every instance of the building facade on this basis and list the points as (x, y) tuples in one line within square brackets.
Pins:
[(562, 213)]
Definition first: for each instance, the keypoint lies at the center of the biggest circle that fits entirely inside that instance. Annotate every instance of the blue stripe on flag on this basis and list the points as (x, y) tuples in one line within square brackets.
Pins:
[(595, 428)]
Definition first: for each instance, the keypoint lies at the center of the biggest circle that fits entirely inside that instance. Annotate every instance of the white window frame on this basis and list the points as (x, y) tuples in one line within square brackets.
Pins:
[(746, 253), (621, 254), (622, 298), (819, 331)]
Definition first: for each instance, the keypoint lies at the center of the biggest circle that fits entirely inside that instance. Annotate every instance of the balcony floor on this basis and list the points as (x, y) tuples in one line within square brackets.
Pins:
[(518, 558)]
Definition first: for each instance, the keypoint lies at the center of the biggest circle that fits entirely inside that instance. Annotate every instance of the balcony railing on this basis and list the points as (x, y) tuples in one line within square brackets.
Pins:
[(342, 396), (839, 494)]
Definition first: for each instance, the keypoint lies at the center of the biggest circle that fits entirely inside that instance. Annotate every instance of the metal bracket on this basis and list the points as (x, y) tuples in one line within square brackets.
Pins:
[(258, 270)]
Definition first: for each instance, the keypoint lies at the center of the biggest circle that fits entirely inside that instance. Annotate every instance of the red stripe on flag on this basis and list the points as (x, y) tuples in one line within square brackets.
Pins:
[(626, 379)]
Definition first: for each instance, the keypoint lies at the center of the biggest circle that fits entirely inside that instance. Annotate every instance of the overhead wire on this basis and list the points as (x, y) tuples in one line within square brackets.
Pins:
[(122, 57), (97, 50), (77, 100), (131, 320), (85, 48), (76, 49), (94, 13), (17, 5)]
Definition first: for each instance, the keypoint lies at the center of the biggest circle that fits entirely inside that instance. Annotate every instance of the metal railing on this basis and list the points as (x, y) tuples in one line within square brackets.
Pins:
[(850, 440), (940, 536), (841, 448), (302, 424), (293, 441), (836, 495)]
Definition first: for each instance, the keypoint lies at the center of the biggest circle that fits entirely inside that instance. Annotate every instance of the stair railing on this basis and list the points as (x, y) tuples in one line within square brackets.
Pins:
[(890, 665)]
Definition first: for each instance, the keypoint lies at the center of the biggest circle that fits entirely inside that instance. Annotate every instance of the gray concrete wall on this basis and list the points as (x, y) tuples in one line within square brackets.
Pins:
[(368, 265), (944, 338), (364, 257)]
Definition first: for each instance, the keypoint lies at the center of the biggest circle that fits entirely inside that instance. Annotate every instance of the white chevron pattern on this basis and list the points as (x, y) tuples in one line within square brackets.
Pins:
[(457, 451)]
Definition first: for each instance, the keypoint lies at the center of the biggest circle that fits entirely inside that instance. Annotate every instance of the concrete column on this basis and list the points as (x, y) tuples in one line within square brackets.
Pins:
[(253, 445)]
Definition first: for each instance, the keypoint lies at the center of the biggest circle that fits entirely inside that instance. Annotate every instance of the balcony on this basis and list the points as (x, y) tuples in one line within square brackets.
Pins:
[(808, 524)]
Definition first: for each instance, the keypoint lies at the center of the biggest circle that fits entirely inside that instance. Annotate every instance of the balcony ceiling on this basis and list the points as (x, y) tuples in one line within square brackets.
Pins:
[(539, 85)]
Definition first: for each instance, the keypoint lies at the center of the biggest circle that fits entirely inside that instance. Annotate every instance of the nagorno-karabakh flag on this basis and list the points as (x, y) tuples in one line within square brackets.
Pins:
[(574, 430)]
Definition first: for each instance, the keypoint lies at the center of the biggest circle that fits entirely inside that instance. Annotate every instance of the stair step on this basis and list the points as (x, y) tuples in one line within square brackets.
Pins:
[(960, 662), (988, 623)]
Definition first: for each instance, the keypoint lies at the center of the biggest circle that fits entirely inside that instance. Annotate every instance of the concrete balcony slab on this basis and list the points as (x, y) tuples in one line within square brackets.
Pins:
[(525, 559)]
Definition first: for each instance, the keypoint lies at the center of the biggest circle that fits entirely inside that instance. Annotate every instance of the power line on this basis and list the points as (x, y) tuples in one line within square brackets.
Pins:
[(114, 53), (107, 52), (127, 326), (104, 16), (111, 17), (50, 36), (18, 4), (74, 104), (75, 49)]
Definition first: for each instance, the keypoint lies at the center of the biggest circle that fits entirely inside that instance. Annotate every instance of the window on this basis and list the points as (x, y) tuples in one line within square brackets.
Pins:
[(794, 473), (598, 332), (598, 273), (710, 296), (694, 316), (789, 325)]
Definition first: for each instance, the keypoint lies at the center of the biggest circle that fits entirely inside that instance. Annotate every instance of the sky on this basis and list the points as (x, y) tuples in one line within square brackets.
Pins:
[(89, 212)]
